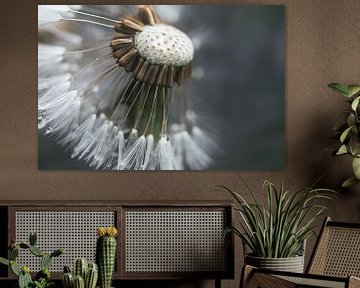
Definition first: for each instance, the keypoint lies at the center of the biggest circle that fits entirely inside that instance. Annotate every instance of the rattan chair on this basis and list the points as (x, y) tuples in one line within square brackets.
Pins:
[(334, 263)]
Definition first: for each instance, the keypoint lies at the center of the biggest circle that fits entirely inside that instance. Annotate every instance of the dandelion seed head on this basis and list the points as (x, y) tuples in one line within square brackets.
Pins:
[(113, 101), (163, 44)]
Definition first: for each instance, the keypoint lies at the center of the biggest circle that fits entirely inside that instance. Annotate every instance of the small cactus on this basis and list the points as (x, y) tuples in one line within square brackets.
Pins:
[(44, 273), (81, 266), (24, 277), (57, 252), (68, 280), (13, 253), (79, 282), (106, 254), (88, 273), (45, 261), (32, 238), (36, 251), (42, 278), (24, 246), (91, 276)]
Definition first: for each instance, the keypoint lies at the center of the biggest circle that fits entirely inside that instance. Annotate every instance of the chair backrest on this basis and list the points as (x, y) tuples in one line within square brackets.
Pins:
[(337, 251)]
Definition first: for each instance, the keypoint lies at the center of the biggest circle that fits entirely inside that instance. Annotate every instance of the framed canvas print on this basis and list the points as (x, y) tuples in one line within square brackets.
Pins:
[(161, 87)]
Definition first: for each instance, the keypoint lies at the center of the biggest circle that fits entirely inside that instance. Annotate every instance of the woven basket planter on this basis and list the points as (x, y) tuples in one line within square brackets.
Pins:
[(291, 264)]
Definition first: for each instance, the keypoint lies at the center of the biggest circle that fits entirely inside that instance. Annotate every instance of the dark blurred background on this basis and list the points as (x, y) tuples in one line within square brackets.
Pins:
[(239, 85)]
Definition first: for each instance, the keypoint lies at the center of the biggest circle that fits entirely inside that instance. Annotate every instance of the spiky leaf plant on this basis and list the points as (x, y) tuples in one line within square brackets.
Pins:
[(279, 229), (348, 132)]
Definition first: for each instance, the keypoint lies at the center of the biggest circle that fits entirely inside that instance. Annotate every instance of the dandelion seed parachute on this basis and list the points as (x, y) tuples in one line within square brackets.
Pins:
[(110, 99)]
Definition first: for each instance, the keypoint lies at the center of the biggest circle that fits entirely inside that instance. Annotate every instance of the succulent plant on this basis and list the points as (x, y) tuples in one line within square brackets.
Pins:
[(85, 275), (42, 278), (106, 254)]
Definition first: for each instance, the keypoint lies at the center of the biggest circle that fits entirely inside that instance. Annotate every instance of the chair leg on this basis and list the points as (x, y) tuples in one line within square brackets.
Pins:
[(217, 283), (246, 274)]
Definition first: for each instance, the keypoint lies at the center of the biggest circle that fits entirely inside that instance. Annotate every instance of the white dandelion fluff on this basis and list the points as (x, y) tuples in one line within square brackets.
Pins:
[(107, 93)]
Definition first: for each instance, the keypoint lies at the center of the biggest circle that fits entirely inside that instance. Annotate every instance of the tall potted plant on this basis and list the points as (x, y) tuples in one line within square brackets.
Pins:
[(276, 233)]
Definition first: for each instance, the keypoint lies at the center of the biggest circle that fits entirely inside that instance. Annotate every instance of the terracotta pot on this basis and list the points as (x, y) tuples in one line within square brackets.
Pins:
[(291, 264)]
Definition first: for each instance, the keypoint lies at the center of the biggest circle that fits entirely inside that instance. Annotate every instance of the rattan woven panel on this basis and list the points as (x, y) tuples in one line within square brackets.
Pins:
[(75, 231), (305, 282), (338, 253), (262, 280), (175, 241)]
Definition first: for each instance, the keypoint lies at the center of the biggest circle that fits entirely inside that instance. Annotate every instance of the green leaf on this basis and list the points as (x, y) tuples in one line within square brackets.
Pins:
[(353, 89), (342, 150), (356, 167), (351, 119), (345, 134), (354, 146), (340, 88), (4, 261), (349, 182), (355, 103), (14, 268)]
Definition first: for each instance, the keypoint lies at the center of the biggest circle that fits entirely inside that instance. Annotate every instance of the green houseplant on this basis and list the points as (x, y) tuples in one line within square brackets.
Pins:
[(276, 233), (348, 133)]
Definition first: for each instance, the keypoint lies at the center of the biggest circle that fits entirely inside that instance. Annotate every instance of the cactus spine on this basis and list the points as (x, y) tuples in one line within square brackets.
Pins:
[(106, 254), (84, 275)]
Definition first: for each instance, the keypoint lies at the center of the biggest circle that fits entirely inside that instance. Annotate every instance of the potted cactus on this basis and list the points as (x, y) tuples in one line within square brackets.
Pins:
[(106, 254), (84, 275), (42, 278)]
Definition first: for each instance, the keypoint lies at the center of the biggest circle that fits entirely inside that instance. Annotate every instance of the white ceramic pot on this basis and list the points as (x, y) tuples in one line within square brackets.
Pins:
[(291, 264)]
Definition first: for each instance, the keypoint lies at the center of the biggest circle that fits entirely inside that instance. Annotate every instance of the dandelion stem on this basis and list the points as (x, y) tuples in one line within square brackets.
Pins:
[(164, 120), (98, 79), (152, 113), (76, 75), (95, 16), (88, 21), (86, 50), (123, 94), (134, 101), (143, 106)]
